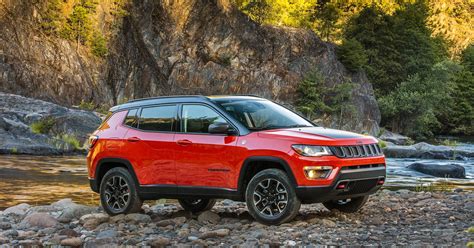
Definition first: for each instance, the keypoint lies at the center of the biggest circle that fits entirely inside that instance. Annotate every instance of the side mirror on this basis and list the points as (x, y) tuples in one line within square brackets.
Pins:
[(221, 128)]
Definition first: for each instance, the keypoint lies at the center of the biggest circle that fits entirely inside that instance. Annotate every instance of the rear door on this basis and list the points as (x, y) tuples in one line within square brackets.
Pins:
[(203, 159), (150, 142)]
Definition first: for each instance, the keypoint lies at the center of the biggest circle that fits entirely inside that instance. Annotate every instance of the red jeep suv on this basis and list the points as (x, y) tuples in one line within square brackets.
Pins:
[(197, 149)]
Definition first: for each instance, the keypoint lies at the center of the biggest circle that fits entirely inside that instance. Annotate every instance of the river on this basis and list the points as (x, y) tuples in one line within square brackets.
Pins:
[(41, 179)]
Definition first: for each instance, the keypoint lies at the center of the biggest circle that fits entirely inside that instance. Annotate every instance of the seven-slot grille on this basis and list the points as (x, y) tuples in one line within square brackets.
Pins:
[(358, 151)]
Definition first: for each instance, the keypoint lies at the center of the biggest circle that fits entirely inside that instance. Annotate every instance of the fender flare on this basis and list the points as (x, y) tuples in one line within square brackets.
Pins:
[(120, 161), (246, 165)]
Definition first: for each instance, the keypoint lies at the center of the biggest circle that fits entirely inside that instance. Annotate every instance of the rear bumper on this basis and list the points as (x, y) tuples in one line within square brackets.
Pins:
[(359, 182)]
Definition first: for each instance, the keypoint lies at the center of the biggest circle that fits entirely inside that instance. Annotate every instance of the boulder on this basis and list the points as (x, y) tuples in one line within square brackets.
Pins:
[(394, 138), (19, 209), (427, 151), (440, 170), (18, 114)]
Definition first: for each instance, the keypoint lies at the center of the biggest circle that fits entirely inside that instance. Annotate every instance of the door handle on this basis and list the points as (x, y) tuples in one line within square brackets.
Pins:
[(184, 142), (133, 139)]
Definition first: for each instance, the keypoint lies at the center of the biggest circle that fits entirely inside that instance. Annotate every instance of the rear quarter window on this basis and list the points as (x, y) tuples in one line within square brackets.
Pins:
[(131, 119)]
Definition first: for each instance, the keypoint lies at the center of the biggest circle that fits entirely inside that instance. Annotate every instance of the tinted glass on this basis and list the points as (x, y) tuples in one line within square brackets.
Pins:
[(131, 119), (160, 118), (262, 114), (197, 118)]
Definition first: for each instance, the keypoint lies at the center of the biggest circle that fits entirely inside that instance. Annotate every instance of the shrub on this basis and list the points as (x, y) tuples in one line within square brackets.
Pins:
[(99, 45), (43, 125)]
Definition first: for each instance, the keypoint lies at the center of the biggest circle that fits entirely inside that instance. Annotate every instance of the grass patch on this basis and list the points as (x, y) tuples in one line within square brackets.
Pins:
[(470, 229), (14, 150), (43, 125), (443, 186), (382, 144), (448, 142), (470, 244), (68, 141)]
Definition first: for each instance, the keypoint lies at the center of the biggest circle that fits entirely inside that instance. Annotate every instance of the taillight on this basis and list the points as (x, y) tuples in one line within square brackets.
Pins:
[(92, 140)]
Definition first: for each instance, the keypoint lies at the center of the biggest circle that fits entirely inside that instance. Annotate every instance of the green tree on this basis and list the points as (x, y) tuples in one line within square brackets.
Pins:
[(325, 17), (79, 24), (99, 45), (52, 18), (352, 54), (311, 92), (317, 100), (397, 46)]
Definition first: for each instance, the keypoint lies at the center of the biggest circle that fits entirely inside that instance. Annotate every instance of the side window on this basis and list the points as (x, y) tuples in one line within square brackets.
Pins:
[(131, 119), (197, 118), (159, 118)]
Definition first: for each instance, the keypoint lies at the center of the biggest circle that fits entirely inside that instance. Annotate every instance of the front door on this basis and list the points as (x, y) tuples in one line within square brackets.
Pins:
[(203, 159)]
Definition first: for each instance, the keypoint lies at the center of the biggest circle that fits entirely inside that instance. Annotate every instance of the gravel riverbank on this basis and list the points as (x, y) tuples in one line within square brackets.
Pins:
[(389, 218)]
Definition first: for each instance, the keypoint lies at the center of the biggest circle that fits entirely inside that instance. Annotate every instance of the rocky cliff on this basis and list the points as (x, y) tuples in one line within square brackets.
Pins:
[(174, 47)]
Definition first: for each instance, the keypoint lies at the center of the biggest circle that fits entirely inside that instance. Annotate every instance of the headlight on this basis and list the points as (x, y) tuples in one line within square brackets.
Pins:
[(312, 151)]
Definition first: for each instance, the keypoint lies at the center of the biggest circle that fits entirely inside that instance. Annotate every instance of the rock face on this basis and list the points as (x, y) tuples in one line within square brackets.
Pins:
[(18, 113), (427, 151), (440, 170), (176, 47)]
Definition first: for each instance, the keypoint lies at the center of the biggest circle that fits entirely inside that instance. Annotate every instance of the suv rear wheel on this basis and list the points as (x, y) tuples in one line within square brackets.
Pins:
[(197, 205), (348, 205), (118, 193), (270, 197)]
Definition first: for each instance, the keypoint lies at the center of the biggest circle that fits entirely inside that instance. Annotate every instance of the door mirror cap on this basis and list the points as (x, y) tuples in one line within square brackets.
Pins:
[(221, 128)]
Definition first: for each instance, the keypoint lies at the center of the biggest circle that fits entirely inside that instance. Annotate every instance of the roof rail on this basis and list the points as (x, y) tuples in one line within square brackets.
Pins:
[(161, 97)]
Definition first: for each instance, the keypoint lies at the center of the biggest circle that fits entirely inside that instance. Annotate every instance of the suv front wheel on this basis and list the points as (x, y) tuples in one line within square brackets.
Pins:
[(118, 193), (270, 197)]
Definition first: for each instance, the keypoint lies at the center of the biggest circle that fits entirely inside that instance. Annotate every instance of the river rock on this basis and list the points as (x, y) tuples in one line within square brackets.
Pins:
[(215, 234), (440, 170), (138, 218), (159, 242), (19, 209), (40, 220), (73, 242), (209, 217)]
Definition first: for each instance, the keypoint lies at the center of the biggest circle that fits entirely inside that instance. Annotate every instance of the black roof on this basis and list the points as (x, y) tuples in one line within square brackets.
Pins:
[(177, 99)]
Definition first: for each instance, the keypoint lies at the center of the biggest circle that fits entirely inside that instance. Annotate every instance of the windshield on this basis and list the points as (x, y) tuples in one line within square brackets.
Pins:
[(262, 114)]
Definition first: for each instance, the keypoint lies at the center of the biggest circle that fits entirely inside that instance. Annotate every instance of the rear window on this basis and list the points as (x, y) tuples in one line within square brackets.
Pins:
[(159, 118)]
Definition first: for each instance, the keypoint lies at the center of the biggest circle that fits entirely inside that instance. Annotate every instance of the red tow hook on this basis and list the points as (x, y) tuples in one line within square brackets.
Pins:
[(381, 181)]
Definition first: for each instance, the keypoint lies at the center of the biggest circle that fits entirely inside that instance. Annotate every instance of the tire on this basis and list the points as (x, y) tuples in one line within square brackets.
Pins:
[(351, 206), (197, 205), (118, 192), (267, 192)]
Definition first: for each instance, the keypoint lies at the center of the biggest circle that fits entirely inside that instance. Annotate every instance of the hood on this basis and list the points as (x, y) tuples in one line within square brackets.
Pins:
[(320, 135)]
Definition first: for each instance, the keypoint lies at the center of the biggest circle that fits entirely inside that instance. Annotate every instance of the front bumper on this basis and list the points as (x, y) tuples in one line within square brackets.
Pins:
[(358, 182)]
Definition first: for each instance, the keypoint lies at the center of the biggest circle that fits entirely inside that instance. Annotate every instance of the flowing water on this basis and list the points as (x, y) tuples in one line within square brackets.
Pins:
[(41, 179)]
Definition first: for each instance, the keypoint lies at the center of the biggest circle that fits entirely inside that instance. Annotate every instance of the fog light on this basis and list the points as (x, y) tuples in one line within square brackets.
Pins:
[(317, 172)]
